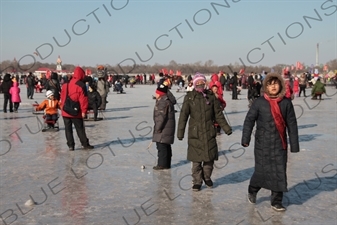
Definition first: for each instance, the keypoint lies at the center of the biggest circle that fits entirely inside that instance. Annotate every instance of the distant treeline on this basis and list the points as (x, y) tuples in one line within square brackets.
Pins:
[(208, 67)]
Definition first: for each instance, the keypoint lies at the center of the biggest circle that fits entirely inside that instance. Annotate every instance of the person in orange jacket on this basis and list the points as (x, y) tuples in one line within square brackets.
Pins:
[(50, 106)]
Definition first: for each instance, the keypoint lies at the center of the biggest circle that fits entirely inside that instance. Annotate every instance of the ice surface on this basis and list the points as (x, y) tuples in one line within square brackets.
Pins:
[(106, 185)]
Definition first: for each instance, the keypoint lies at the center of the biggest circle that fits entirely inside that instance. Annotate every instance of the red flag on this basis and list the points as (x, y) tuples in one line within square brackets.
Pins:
[(48, 74), (164, 71), (242, 71), (178, 73), (299, 65), (292, 67), (171, 72), (287, 68)]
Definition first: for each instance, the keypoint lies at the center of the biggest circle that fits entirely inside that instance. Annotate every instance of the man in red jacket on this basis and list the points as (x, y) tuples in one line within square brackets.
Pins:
[(77, 92)]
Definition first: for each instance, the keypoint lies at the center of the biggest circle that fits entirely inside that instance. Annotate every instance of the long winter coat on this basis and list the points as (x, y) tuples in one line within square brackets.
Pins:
[(202, 144), (270, 157), (102, 87), (164, 121), (77, 91), (318, 88), (15, 92)]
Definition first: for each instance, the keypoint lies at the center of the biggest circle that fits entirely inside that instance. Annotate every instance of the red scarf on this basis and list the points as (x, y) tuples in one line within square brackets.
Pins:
[(278, 118)]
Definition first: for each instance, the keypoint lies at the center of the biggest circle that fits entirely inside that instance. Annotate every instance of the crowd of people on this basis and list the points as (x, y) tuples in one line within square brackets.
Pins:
[(269, 95), (202, 113)]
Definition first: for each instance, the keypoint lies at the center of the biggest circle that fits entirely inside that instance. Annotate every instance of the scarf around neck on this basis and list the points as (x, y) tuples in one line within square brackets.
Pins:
[(278, 118)]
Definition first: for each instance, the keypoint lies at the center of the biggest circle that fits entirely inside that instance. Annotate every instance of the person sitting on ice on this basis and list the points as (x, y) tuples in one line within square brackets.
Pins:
[(50, 106), (119, 86)]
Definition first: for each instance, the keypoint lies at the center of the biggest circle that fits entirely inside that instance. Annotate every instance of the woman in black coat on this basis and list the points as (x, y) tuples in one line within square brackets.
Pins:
[(234, 82), (273, 114)]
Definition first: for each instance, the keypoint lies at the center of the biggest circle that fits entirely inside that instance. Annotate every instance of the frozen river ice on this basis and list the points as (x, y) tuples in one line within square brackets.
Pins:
[(107, 185)]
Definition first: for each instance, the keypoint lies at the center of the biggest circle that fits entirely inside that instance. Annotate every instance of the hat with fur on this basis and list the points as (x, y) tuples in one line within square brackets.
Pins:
[(272, 76)]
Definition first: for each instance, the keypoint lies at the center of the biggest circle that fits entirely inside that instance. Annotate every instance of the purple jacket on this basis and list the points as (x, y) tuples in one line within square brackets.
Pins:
[(15, 92)]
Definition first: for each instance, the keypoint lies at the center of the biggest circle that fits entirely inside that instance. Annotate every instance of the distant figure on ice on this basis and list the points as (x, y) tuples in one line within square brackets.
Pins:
[(54, 85), (273, 114), (234, 83), (119, 86), (302, 84), (318, 89), (5, 86), (14, 91)]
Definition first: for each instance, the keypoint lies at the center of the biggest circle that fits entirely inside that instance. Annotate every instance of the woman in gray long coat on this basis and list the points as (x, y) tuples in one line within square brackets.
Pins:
[(164, 126), (103, 90), (273, 114), (202, 108)]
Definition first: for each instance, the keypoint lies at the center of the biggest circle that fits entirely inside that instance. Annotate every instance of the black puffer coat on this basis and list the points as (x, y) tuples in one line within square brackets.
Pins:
[(94, 98), (164, 121), (6, 84), (202, 144), (270, 157)]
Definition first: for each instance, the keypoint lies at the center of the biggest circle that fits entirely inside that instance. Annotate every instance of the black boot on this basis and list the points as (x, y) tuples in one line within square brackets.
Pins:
[(276, 201)]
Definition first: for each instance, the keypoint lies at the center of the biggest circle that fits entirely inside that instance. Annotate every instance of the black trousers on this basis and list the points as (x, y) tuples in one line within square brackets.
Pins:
[(7, 99), (16, 105), (276, 196), (234, 92), (164, 154), (30, 91), (80, 130), (302, 88)]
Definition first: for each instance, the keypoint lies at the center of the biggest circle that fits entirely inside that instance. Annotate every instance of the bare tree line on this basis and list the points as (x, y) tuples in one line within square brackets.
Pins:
[(207, 67)]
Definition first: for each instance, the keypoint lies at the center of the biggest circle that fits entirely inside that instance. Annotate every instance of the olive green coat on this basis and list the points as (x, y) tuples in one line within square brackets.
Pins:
[(202, 146), (318, 88)]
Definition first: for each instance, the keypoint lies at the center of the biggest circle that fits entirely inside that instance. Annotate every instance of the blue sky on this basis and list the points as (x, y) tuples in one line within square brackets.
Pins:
[(221, 34)]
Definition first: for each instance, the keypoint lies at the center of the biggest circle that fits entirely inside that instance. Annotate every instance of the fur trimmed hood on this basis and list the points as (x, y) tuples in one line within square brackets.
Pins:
[(279, 77)]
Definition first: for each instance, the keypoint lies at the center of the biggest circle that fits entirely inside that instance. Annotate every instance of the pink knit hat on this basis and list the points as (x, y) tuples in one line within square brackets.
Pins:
[(198, 77)]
